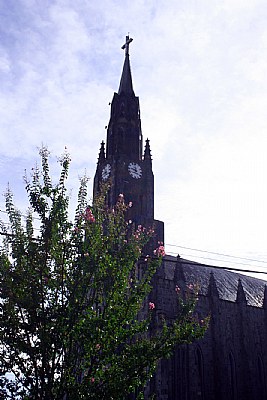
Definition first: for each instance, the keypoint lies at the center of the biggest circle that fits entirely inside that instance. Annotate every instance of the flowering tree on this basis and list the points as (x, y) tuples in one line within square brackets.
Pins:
[(74, 320)]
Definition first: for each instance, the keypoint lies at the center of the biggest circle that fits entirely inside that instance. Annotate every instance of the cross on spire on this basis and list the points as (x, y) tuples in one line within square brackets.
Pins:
[(126, 45)]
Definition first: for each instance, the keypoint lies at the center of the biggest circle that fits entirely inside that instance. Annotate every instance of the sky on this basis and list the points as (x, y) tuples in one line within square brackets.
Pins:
[(200, 71)]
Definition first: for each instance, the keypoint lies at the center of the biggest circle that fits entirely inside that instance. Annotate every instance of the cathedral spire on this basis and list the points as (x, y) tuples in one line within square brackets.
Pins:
[(126, 84), (128, 170)]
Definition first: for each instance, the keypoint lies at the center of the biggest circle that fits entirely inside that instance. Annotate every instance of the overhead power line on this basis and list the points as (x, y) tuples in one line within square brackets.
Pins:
[(215, 253), (216, 259), (186, 248), (197, 256), (186, 262), (216, 266)]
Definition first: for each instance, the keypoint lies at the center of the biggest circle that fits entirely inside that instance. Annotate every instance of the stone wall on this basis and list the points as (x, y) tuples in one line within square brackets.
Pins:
[(229, 362)]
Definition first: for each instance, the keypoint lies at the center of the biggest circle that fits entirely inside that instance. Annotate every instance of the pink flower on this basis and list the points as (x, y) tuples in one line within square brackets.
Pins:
[(88, 216), (160, 251), (177, 289), (151, 305), (92, 379), (97, 346), (130, 204)]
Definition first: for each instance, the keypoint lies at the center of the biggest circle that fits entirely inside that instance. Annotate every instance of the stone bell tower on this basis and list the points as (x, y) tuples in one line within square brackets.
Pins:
[(124, 162)]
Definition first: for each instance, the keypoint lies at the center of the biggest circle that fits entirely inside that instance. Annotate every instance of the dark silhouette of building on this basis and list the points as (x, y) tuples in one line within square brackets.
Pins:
[(229, 363), (124, 162)]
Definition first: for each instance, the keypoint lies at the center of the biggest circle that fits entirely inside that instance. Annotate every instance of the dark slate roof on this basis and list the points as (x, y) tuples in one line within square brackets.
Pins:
[(226, 281), (126, 84)]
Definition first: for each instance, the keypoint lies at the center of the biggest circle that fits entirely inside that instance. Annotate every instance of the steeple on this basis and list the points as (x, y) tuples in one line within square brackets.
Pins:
[(124, 135), (124, 163), (126, 84)]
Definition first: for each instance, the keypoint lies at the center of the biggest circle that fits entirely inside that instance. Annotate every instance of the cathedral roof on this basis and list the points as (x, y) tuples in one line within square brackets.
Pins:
[(227, 282)]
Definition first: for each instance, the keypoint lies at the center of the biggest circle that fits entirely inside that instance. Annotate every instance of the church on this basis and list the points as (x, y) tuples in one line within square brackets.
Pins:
[(230, 362)]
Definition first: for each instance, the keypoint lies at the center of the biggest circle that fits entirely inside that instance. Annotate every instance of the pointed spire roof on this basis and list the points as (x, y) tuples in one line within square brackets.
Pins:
[(241, 296), (179, 271), (147, 153), (126, 84), (101, 156), (212, 288)]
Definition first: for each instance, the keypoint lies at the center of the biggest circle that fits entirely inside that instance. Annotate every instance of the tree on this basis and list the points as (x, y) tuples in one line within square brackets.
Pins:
[(74, 319)]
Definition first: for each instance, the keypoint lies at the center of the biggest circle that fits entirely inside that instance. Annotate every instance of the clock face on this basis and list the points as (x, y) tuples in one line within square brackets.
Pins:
[(135, 170), (106, 172)]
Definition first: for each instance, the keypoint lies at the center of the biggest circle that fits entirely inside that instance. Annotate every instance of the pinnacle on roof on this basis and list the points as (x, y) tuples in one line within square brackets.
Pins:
[(126, 84), (212, 288), (241, 296), (101, 156), (147, 153)]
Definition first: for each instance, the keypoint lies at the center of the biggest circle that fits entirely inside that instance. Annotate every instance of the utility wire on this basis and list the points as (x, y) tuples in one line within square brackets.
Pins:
[(186, 248), (185, 262), (215, 259), (189, 255), (197, 264), (212, 252)]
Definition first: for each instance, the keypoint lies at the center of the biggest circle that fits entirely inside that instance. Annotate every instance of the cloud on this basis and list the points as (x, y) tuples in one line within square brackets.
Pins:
[(199, 69)]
